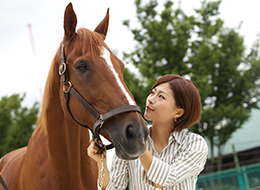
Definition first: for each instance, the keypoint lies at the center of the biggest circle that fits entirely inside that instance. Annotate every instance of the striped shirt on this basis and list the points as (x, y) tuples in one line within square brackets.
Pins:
[(176, 167)]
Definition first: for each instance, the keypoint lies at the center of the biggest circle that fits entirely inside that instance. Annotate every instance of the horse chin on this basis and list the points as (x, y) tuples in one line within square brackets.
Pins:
[(124, 154)]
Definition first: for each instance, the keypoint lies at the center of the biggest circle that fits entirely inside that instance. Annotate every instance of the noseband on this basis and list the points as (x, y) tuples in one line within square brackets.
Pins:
[(68, 89)]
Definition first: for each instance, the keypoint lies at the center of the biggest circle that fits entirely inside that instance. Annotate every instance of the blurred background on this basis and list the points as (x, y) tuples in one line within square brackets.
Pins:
[(213, 43)]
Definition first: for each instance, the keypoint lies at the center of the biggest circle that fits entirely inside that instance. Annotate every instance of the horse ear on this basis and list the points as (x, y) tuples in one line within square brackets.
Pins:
[(103, 26), (70, 22)]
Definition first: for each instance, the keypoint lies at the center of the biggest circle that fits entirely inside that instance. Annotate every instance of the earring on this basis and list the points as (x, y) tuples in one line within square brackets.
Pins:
[(175, 120)]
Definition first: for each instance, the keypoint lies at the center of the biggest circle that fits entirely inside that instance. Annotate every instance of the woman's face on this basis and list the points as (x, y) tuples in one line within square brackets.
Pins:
[(160, 104)]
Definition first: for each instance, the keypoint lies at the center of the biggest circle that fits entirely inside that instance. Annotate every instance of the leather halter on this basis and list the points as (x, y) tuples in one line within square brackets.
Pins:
[(63, 72)]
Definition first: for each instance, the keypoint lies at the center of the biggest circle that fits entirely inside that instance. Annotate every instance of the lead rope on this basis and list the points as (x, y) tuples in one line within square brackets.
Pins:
[(103, 171)]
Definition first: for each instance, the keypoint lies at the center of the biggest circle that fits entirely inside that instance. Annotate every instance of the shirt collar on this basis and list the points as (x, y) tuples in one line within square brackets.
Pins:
[(178, 136)]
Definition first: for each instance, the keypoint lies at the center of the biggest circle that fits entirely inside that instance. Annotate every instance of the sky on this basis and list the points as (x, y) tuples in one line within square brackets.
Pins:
[(26, 52)]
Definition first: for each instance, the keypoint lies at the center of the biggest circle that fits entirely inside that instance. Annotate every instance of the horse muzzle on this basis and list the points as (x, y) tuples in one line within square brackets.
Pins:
[(128, 132)]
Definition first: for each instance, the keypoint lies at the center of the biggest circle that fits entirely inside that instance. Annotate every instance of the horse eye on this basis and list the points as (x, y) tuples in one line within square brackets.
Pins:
[(82, 66)]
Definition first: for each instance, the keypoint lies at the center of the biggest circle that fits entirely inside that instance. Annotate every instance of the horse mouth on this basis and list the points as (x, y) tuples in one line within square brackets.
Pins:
[(122, 153)]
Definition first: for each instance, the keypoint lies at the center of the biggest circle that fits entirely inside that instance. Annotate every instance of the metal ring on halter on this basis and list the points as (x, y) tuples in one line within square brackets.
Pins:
[(101, 125), (64, 87), (97, 140), (64, 69), (98, 144)]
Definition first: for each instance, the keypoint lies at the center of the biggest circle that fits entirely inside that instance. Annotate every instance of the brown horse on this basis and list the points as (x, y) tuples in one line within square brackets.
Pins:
[(55, 158)]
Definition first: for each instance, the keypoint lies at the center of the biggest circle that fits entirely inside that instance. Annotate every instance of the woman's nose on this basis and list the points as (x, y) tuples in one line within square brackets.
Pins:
[(150, 99)]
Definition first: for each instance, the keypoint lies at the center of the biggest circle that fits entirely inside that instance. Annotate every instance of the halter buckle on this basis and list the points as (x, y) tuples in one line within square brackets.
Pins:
[(62, 69), (102, 121), (64, 87)]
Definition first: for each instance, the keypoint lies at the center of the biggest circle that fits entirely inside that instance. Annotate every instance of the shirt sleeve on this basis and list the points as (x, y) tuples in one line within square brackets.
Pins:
[(118, 174), (189, 162)]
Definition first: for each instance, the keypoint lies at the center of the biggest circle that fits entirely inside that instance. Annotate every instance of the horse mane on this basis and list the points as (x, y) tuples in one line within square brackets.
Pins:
[(84, 41), (51, 86)]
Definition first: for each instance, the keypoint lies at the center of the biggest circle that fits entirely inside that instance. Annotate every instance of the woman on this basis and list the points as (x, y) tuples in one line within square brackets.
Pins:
[(174, 157)]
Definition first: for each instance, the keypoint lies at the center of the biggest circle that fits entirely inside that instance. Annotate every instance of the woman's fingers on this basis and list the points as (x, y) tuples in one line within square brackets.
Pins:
[(92, 148), (93, 152)]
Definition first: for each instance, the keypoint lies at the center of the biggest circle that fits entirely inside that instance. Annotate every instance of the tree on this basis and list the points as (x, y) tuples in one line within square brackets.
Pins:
[(162, 44), (200, 48), (16, 123), (225, 87)]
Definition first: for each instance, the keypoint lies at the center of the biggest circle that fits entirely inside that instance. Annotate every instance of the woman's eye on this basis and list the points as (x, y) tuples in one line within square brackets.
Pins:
[(82, 66), (152, 92), (161, 96)]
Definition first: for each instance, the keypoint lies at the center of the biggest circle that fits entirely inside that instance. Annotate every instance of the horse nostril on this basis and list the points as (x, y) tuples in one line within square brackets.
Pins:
[(130, 133)]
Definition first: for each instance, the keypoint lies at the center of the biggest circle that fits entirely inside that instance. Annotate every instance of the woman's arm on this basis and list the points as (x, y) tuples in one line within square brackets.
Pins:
[(189, 161), (146, 160)]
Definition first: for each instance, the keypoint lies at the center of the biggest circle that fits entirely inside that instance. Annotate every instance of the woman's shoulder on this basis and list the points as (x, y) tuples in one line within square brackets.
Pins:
[(185, 134), (195, 140), (193, 135)]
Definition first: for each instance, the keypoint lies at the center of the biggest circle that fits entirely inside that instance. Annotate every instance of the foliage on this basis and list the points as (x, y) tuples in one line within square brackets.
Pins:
[(16, 123), (228, 93), (162, 44), (202, 49)]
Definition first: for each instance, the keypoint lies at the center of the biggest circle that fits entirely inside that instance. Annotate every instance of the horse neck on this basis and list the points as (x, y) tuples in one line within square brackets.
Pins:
[(66, 141), (65, 138)]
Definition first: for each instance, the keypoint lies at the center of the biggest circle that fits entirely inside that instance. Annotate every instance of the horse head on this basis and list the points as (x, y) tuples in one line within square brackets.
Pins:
[(96, 75)]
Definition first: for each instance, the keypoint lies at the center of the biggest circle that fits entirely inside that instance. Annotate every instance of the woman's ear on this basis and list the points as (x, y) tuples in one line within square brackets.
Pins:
[(179, 113)]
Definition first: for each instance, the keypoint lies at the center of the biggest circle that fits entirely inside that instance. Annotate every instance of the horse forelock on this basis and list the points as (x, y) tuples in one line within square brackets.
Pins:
[(88, 41)]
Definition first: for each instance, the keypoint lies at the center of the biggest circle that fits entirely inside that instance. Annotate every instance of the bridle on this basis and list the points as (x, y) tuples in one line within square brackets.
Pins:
[(101, 118)]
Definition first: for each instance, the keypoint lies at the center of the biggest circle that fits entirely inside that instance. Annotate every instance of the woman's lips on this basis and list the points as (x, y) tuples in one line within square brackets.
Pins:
[(148, 108)]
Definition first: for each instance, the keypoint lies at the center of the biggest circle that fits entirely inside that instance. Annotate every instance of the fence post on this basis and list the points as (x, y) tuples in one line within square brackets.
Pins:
[(240, 177), (244, 173), (240, 180)]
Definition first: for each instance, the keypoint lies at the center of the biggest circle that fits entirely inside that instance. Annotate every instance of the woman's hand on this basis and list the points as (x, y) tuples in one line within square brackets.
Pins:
[(93, 152)]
